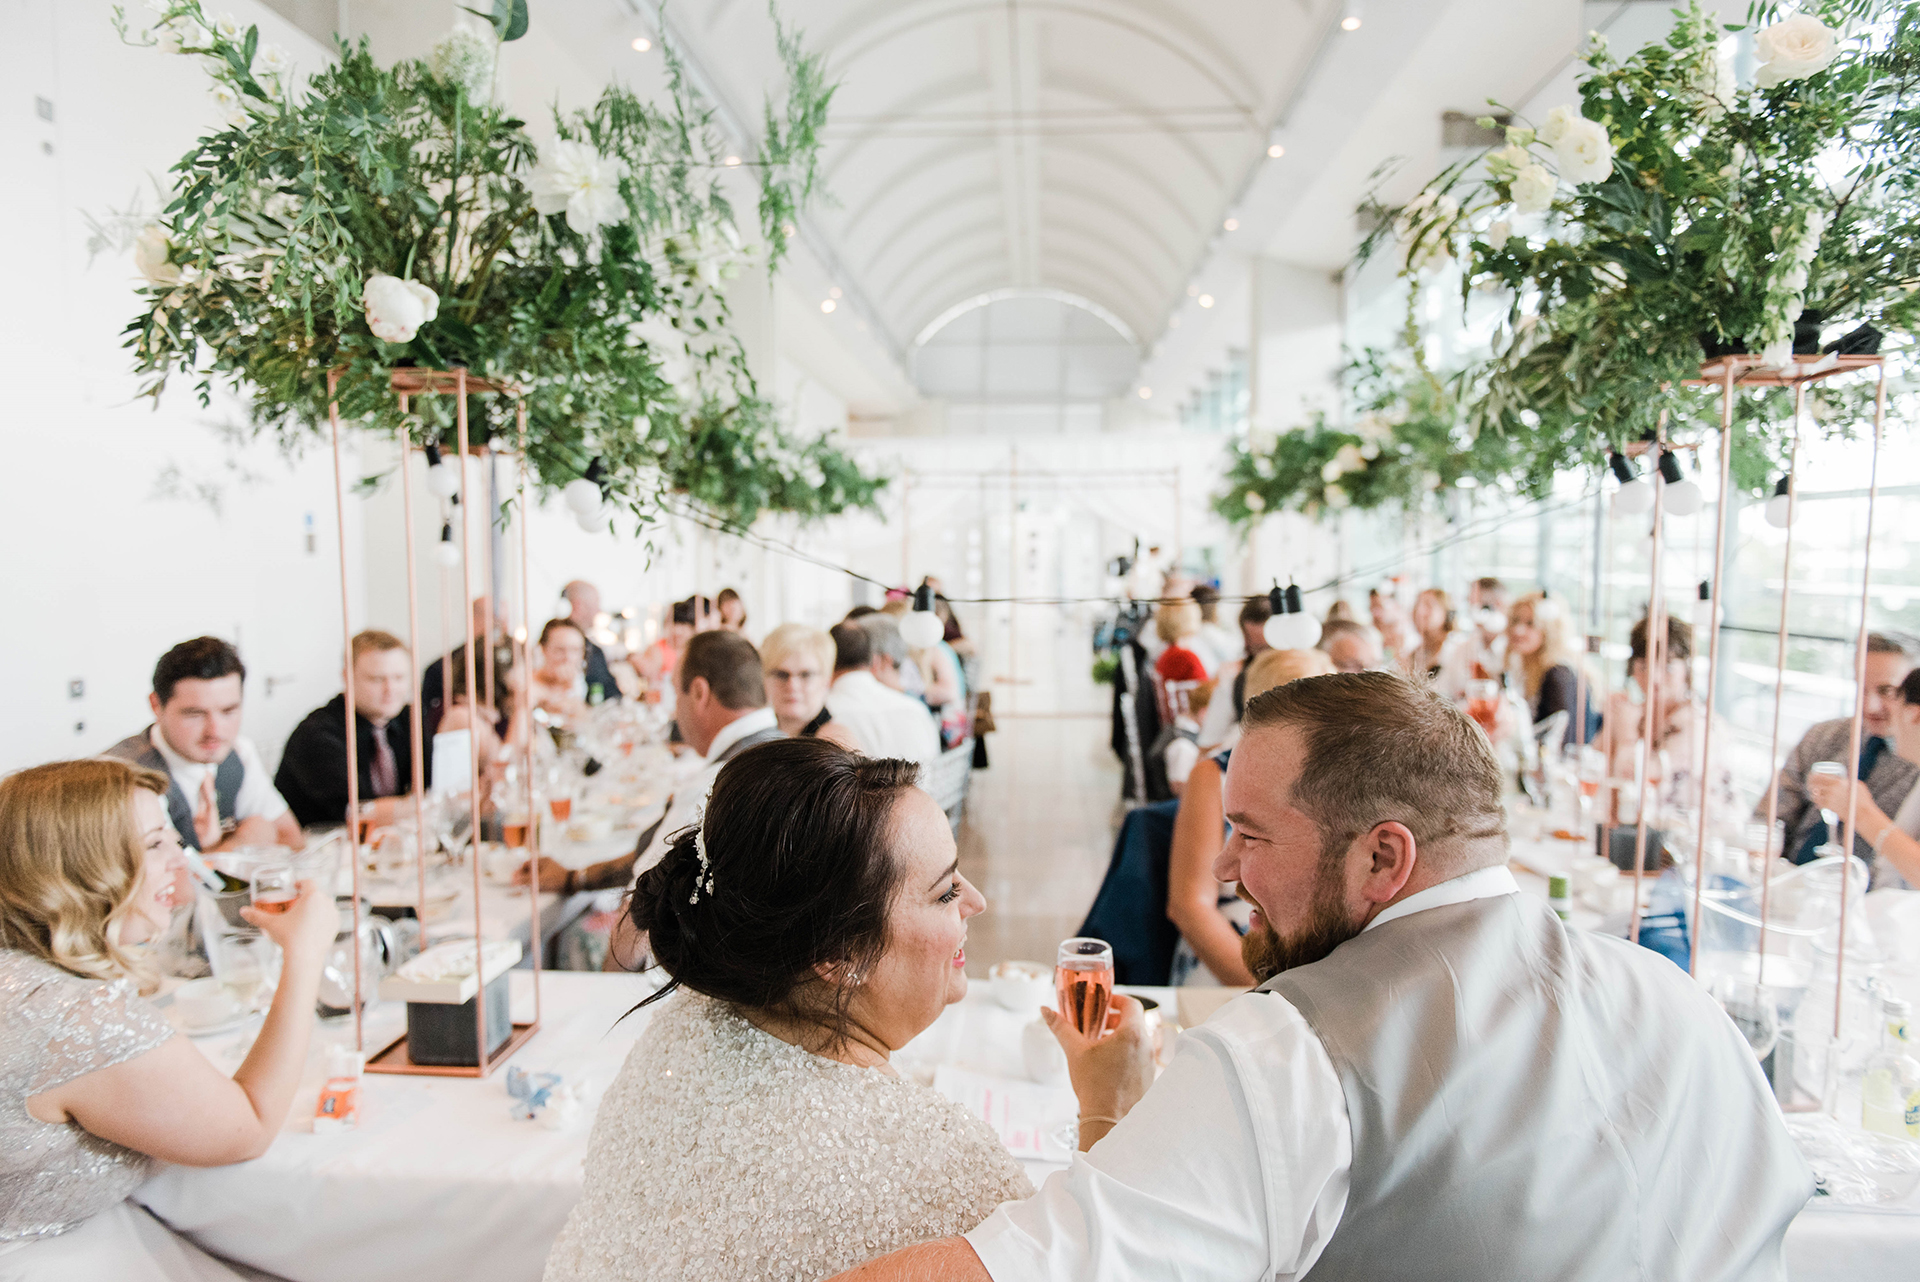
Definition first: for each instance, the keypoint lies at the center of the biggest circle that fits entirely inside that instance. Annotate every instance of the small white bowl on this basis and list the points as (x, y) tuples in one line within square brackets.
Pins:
[(205, 1003), (1021, 987)]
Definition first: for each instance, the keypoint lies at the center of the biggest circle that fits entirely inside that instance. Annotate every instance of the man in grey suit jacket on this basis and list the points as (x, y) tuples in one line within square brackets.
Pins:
[(1888, 776)]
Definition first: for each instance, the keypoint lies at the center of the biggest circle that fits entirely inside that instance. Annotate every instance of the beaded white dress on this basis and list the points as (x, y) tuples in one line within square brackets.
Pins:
[(721, 1151)]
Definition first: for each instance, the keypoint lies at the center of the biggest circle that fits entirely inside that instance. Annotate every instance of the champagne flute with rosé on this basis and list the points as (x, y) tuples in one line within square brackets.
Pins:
[(1083, 980)]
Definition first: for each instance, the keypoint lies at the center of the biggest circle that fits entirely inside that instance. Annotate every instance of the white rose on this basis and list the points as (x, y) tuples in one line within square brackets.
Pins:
[(227, 99), (1584, 152), (1499, 234), (1370, 451), (1331, 471), (151, 250), (1533, 189), (1557, 121), (396, 309), (1508, 159), (1779, 353), (1350, 459), (575, 179), (273, 61), (228, 27), (1254, 502), (1336, 497), (1793, 48), (1794, 279)]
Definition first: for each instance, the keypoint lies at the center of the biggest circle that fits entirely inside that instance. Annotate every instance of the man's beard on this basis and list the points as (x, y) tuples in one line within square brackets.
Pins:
[(1329, 924)]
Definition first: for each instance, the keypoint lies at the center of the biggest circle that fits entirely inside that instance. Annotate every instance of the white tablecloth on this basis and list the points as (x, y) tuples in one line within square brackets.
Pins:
[(437, 1182)]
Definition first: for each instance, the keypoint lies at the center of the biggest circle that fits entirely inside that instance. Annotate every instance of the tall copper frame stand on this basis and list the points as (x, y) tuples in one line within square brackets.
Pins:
[(407, 384), (1727, 373)]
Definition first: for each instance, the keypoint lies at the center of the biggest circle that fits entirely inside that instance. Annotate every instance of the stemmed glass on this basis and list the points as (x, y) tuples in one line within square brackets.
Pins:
[(1829, 770), (1083, 979)]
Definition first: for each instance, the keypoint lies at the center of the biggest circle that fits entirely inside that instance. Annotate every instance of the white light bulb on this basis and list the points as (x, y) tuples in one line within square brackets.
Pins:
[(921, 629), (1779, 511), (593, 521), (1291, 631), (447, 553), (443, 480), (1684, 498), (1634, 498), (582, 496), (641, 44)]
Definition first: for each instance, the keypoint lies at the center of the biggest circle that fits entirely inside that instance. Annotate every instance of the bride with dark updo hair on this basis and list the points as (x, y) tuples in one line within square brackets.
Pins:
[(812, 923)]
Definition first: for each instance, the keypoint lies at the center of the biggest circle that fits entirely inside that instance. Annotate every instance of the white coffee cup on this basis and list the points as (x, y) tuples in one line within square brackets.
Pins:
[(1021, 987), (203, 1003)]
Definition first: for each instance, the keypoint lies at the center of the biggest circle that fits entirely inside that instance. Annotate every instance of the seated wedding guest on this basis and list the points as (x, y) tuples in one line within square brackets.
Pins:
[(798, 663), (886, 722), (433, 680), (1340, 612), (1351, 645), (1210, 914), (1170, 758), (1177, 623), (1487, 612), (219, 794), (471, 720), (95, 1085), (558, 683), (583, 604), (1442, 653), (1888, 777), (1895, 841), (1540, 645), (904, 673), (1437, 1078), (1218, 645), (946, 690), (313, 766), (732, 611), (1390, 621), (815, 921), (1230, 687), (1674, 764), (721, 709), (656, 664)]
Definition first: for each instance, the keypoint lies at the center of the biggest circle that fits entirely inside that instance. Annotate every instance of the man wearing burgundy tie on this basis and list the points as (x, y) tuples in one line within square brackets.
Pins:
[(313, 769), (1888, 777)]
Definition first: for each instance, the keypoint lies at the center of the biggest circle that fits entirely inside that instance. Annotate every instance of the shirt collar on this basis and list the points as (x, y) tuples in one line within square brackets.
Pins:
[(1482, 883), (739, 728)]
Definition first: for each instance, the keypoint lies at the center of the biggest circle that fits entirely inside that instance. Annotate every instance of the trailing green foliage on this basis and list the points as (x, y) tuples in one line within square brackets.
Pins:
[(385, 217)]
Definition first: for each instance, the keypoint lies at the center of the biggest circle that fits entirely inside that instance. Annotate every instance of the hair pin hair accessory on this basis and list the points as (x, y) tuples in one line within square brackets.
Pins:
[(703, 880)]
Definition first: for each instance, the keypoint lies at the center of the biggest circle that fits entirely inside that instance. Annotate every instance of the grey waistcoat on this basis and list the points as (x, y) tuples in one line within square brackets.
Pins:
[(227, 775), (1533, 1102)]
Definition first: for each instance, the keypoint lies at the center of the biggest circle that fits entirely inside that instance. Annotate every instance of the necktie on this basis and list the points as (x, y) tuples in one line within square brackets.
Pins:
[(1818, 836), (384, 773)]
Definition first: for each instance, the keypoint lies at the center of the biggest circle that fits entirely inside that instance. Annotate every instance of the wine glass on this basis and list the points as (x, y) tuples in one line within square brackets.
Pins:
[(1083, 979), (1753, 1011), (273, 886), (1830, 770)]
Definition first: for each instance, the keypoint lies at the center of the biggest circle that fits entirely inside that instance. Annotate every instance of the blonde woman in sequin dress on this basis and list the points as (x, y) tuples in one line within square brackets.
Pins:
[(815, 923), (94, 1083)]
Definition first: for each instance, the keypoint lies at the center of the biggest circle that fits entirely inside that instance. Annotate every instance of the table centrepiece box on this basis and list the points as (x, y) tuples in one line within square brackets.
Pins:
[(440, 989)]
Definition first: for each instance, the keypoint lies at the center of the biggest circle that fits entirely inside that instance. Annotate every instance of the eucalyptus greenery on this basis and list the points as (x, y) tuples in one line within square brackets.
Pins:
[(1677, 213), (383, 217)]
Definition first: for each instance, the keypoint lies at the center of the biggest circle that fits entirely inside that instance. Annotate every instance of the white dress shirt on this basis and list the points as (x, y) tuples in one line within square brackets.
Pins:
[(257, 798), (1233, 1168), (690, 798), (886, 722)]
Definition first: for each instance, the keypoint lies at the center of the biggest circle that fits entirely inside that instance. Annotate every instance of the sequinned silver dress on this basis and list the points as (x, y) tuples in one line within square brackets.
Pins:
[(58, 1026), (723, 1152)]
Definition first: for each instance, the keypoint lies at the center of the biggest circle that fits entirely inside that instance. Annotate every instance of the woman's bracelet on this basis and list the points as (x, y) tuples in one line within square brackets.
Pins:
[(1874, 845)]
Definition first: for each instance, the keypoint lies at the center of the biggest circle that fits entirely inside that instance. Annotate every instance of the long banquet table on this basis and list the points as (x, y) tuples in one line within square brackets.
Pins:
[(439, 1182)]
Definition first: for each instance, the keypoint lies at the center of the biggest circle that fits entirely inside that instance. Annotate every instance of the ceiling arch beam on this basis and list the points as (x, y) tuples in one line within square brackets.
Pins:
[(1085, 304)]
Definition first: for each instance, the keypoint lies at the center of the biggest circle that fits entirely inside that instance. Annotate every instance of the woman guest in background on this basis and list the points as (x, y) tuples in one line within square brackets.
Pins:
[(733, 611), (818, 921), (1539, 647), (1443, 655), (559, 682), (798, 663), (1895, 841), (95, 1085), (1210, 913), (1673, 745)]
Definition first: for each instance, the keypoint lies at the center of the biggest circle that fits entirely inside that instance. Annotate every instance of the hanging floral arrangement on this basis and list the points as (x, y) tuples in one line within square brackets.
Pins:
[(1404, 442), (376, 218), (1675, 214)]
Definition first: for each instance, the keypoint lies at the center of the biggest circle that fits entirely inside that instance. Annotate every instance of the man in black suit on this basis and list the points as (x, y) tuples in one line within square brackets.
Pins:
[(313, 768), (584, 599)]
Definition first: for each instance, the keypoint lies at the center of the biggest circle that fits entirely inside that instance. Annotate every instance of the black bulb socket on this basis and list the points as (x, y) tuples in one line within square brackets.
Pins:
[(1622, 468), (1783, 486), (1670, 468)]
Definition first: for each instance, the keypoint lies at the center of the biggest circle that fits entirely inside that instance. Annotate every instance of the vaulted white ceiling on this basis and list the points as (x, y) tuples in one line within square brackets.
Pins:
[(1080, 148)]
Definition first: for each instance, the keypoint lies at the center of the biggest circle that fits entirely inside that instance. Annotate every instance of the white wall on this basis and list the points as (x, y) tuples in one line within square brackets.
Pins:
[(99, 570)]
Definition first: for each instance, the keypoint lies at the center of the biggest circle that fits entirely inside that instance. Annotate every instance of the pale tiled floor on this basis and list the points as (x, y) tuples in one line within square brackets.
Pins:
[(1037, 834)]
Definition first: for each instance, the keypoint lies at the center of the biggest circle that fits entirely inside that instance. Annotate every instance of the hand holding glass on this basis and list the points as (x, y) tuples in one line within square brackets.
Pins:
[(1083, 979), (273, 887), (1832, 770)]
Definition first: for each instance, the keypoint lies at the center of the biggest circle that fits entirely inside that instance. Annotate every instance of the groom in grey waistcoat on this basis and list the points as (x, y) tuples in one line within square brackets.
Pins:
[(1438, 1079)]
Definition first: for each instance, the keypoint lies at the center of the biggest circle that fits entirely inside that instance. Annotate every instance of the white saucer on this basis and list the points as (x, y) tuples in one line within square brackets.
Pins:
[(210, 1030)]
